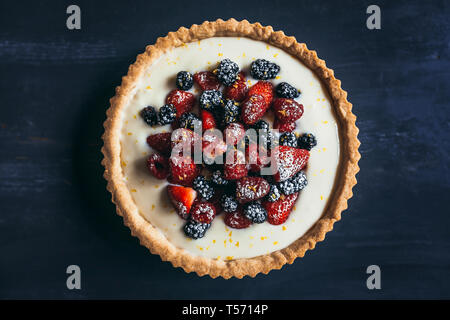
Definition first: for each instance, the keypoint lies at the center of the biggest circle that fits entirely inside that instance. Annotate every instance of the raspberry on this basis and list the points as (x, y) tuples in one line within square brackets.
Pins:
[(279, 211), (184, 80), (167, 114), (287, 110), (284, 126), (235, 167), (255, 212), (307, 141), (285, 90), (263, 88), (149, 115), (251, 188), (157, 165), (160, 142), (228, 203), (274, 193), (195, 230), (253, 108), (294, 184), (227, 72), (189, 120), (234, 133), (218, 178), (288, 139), (231, 112), (238, 90), (237, 220), (210, 99), (263, 70), (203, 212), (203, 187), (183, 101), (183, 170), (207, 80)]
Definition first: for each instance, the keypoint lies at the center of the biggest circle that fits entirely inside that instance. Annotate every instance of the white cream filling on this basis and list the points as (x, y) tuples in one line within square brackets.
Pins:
[(149, 193)]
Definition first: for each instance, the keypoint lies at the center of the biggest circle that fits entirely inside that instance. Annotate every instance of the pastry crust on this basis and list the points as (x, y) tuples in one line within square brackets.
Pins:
[(148, 235)]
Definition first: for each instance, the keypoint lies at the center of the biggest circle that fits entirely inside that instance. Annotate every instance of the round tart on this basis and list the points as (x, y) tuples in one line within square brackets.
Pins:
[(321, 141)]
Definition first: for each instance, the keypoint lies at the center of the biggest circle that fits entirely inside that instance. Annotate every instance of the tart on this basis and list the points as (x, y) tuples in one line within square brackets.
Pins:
[(195, 75)]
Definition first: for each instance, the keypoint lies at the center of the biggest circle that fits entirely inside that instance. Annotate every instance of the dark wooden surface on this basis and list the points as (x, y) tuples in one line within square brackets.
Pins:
[(54, 210)]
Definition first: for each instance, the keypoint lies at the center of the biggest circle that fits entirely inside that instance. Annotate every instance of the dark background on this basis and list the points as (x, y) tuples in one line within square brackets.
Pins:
[(55, 86)]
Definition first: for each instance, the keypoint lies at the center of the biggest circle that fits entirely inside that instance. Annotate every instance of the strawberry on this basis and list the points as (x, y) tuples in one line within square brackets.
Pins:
[(183, 170), (183, 101), (233, 133), (213, 145), (182, 199), (278, 211), (263, 88), (251, 189), (184, 140), (235, 167), (208, 121), (158, 166), (160, 142), (207, 80), (289, 161), (284, 126), (238, 90), (203, 212), (253, 108), (287, 110), (237, 220)]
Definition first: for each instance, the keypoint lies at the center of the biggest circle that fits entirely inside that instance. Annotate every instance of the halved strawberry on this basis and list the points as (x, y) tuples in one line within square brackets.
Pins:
[(183, 170), (251, 189), (158, 166), (208, 121), (284, 126), (253, 108), (160, 142), (183, 101), (207, 80), (278, 211), (263, 88), (203, 212), (238, 90), (235, 167), (289, 161), (237, 220), (182, 199), (287, 110)]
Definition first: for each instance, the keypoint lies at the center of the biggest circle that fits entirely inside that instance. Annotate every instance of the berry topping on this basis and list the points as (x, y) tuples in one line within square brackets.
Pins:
[(237, 220), (218, 178), (263, 70), (284, 126), (189, 120), (288, 161), (251, 189), (196, 230), (255, 212), (288, 139), (235, 167), (210, 99), (149, 115), (287, 110), (279, 211), (183, 170), (182, 199), (203, 212), (228, 203), (294, 184), (231, 112), (263, 88), (203, 187), (238, 90), (274, 193), (160, 142), (157, 165), (307, 141), (184, 80), (207, 80), (233, 133), (227, 72), (285, 90), (167, 114), (208, 121), (183, 101), (253, 108)]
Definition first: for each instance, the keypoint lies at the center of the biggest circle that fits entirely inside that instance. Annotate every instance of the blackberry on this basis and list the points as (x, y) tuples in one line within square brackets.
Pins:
[(149, 115), (189, 120), (228, 203), (285, 90), (203, 187), (265, 137), (255, 212), (218, 178), (195, 230), (293, 184), (184, 80), (231, 112), (288, 139), (210, 99), (227, 72), (274, 193), (263, 70), (167, 114), (307, 141)]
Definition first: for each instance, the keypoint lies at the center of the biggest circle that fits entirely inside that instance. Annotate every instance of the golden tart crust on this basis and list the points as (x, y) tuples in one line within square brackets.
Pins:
[(148, 235)]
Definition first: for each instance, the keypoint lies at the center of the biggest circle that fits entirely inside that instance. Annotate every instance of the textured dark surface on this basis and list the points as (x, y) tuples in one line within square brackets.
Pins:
[(54, 210)]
